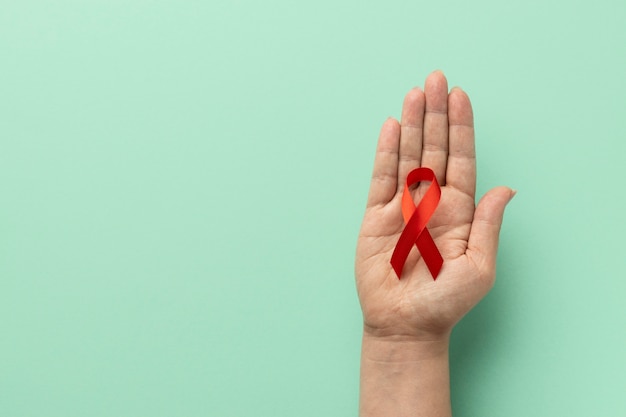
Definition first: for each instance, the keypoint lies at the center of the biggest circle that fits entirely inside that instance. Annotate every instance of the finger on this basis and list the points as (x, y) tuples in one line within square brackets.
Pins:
[(435, 148), (461, 169), (385, 175), (411, 128), (482, 245)]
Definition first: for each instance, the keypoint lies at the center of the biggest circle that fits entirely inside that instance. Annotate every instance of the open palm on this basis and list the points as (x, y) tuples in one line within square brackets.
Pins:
[(436, 131)]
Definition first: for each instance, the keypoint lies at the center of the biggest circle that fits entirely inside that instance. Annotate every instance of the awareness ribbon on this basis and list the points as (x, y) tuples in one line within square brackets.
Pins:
[(416, 218)]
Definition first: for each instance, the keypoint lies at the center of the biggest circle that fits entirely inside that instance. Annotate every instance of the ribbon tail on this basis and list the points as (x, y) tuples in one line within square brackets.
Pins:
[(405, 243), (431, 255)]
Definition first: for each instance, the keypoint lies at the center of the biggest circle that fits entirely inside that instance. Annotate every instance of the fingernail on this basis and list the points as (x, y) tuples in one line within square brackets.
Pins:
[(513, 192)]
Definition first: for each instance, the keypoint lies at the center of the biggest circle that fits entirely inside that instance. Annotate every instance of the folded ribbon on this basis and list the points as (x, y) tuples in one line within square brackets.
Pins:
[(416, 218)]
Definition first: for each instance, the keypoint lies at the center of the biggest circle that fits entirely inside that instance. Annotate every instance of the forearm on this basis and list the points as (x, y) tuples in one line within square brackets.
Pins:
[(402, 377)]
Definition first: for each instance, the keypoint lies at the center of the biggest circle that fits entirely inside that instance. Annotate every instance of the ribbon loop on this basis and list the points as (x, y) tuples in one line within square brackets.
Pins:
[(416, 218)]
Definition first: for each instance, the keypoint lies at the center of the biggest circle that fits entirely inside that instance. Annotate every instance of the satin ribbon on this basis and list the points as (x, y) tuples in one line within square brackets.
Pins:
[(416, 218)]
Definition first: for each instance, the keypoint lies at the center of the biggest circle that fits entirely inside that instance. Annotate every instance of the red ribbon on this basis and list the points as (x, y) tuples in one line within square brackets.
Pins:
[(416, 218)]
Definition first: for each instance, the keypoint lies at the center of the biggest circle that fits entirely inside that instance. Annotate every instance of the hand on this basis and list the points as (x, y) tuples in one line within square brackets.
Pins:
[(436, 131)]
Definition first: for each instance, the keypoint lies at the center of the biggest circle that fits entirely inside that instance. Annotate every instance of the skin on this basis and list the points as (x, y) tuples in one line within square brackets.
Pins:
[(407, 322)]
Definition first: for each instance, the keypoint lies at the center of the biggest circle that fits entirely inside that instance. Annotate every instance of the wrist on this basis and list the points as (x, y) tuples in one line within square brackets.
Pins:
[(399, 348), (402, 376), (406, 334)]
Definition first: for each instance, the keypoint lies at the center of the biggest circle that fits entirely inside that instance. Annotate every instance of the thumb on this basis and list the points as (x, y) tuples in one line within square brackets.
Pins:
[(482, 245)]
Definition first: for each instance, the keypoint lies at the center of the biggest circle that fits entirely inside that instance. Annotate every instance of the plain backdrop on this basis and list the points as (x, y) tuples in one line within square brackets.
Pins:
[(182, 184)]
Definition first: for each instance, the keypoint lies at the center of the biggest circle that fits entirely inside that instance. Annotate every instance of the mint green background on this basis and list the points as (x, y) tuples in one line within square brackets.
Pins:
[(181, 185)]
